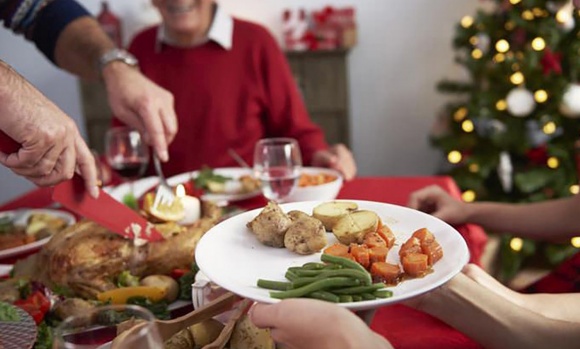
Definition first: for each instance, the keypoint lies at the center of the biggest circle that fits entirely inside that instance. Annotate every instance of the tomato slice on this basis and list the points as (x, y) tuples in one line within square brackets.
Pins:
[(37, 305)]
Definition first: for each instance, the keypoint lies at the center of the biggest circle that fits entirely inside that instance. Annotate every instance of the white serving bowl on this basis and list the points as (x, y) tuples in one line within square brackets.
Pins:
[(326, 191)]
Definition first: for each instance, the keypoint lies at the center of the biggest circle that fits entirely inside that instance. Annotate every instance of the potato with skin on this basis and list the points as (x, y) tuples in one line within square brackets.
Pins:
[(353, 227), (295, 215), (247, 336), (330, 212), (205, 332), (270, 225), (164, 282), (305, 236)]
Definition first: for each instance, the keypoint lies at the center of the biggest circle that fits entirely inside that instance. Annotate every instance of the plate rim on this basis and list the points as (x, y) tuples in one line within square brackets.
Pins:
[(18, 250), (356, 306)]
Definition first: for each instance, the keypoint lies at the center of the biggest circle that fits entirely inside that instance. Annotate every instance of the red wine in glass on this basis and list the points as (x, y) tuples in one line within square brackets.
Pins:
[(130, 169), (127, 153)]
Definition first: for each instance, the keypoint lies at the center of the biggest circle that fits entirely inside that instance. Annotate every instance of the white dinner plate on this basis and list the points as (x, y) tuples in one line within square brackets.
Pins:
[(140, 187), (21, 216), (144, 185), (232, 187), (231, 256)]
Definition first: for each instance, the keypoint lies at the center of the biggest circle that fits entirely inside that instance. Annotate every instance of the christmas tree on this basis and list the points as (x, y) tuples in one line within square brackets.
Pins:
[(509, 134)]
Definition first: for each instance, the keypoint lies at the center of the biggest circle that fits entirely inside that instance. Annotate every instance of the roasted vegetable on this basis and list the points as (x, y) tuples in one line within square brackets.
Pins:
[(126, 279), (247, 336), (352, 227), (121, 295), (330, 212), (169, 286)]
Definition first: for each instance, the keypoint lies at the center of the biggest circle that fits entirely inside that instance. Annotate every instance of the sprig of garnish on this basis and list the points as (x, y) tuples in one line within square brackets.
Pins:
[(207, 175)]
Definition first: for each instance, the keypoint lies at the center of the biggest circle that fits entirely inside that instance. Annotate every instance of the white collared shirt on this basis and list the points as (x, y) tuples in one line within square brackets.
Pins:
[(221, 31)]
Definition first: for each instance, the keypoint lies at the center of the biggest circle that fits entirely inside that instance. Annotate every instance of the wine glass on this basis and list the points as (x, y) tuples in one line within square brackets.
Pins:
[(277, 164), (97, 327), (126, 153)]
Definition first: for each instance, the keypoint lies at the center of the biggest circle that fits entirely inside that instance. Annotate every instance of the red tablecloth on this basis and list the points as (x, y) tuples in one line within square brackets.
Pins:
[(403, 326)]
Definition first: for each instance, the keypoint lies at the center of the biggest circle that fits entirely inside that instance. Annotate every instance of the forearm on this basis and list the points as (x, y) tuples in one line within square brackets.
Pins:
[(495, 322), (561, 306), (17, 98), (548, 220), (80, 46)]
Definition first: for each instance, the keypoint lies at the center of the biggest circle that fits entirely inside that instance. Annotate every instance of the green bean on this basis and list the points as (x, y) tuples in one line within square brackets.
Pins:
[(383, 294), (333, 266), (274, 285), (313, 265), (316, 286), (368, 296), (365, 279), (360, 289), (291, 275), (324, 296), (301, 281), (345, 262), (305, 272), (356, 298), (345, 298)]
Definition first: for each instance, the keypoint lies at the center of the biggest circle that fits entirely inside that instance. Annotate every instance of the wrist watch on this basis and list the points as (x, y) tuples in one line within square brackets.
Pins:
[(117, 54)]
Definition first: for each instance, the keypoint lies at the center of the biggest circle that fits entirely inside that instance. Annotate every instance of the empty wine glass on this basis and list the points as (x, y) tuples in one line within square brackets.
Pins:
[(96, 328), (126, 153), (277, 164)]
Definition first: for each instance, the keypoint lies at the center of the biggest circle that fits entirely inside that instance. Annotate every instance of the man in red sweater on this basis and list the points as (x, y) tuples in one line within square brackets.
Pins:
[(232, 86)]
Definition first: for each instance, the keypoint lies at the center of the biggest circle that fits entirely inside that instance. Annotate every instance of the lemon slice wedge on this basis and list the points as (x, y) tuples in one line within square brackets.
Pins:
[(173, 212)]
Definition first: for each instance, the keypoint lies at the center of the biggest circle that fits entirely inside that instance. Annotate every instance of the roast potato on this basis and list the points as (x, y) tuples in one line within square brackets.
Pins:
[(330, 212), (306, 235), (247, 336), (164, 282), (352, 227)]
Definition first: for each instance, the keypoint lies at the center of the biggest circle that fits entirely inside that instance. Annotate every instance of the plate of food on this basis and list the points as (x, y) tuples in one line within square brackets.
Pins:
[(410, 252), (221, 184), (225, 184), (25, 230)]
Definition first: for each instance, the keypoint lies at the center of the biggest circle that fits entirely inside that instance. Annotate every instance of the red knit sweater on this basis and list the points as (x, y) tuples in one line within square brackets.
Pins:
[(227, 99)]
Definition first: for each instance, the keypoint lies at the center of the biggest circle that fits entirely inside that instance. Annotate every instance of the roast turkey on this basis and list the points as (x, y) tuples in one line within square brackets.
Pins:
[(86, 258)]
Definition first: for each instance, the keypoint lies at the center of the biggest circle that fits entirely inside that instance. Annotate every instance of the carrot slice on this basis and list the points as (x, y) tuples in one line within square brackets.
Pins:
[(429, 245), (433, 251), (361, 254), (411, 246), (387, 234), (386, 272), (415, 264), (337, 249), (424, 235), (378, 254), (373, 239)]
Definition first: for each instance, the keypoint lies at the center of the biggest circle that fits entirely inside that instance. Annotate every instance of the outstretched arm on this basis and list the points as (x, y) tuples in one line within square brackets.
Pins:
[(554, 219), (50, 144), (494, 321)]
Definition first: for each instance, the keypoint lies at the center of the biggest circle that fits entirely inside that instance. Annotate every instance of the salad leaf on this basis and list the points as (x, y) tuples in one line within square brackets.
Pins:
[(126, 279), (186, 281), (44, 337), (8, 313), (158, 309), (131, 201), (207, 175), (6, 224)]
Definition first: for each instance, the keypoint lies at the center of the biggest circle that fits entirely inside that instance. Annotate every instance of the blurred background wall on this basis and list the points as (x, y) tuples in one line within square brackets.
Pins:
[(403, 49)]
